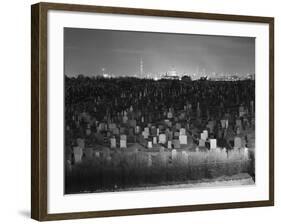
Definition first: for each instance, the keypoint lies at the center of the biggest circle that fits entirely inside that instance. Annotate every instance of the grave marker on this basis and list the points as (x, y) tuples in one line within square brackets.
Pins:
[(213, 143), (112, 143), (205, 132), (183, 139), (78, 153), (176, 143), (162, 138), (237, 142), (203, 136), (88, 131), (81, 142), (182, 131), (145, 135), (123, 143), (201, 143), (169, 144), (174, 154), (137, 129), (154, 140)]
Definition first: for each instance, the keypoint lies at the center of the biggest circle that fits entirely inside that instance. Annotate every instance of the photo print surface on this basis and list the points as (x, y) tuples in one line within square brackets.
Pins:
[(146, 110)]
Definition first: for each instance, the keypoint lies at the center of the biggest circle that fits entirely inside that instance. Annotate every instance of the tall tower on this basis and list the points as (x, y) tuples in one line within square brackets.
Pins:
[(141, 68)]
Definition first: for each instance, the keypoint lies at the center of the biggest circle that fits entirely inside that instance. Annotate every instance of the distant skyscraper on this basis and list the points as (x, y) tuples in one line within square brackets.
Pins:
[(141, 68)]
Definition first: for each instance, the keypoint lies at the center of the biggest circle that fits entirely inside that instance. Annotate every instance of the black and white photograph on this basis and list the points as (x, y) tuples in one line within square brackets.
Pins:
[(151, 110)]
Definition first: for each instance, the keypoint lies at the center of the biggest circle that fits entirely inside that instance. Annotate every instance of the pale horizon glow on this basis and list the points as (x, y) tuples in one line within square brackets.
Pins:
[(93, 52)]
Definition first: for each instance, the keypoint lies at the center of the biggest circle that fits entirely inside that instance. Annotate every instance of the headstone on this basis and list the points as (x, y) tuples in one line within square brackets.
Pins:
[(67, 128), (238, 123), (78, 153), (181, 116), (213, 143), (149, 144), (133, 123), (176, 143), (112, 143), (169, 144), (116, 131), (123, 143), (81, 142), (184, 153), (125, 119), (223, 123), (153, 131), (162, 138), (201, 143), (106, 152), (112, 126), (137, 129), (184, 156), (123, 137), (176, 134), (178, 126), (241, 111), (169, 134), (237, 142), (169, 124), (108, 158), (205, 132), (145, 135), (97, 154), (101, 127), (183, 139), (238, 131), (211, 125), (108, 134), (174, 154), (170, 115), (154, 140), (203, 136), (246, 153), (182, 131), (158, 131), (88, 131), (146, 129), (122, 130)]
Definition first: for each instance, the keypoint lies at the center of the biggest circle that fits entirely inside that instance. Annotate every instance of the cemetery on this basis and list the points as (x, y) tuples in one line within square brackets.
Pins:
[(122, 133)]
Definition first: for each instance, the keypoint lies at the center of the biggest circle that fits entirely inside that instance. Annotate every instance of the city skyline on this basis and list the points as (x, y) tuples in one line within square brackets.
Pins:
[(91, 51)]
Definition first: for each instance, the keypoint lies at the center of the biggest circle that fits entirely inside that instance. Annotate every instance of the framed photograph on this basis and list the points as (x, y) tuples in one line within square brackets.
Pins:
[(141, 111)]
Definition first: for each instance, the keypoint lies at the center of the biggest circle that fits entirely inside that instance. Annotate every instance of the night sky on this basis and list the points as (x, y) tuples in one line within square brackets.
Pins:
[(87, 51)]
